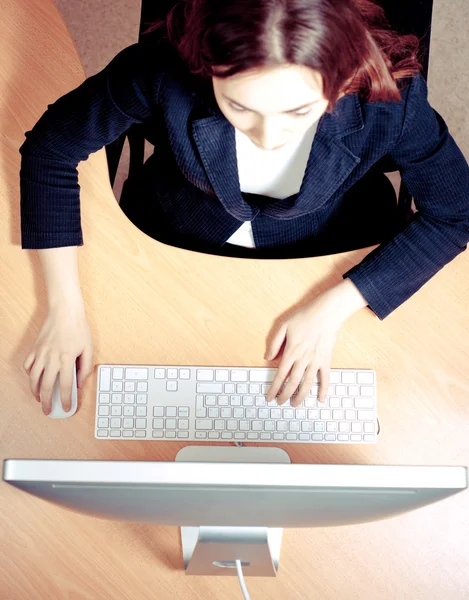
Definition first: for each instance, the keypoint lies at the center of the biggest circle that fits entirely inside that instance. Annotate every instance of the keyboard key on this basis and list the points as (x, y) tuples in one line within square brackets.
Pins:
[(127, 433), (183, 424), (184, 374), (140, 434), (262, 375), (256, 425), (365, 377), (213, 435), (141, 410), (204, 424), (238, 413), (279, 436), (356, 427), (213, 413), (369, 427), (116, 422), (264, 413), (315, 391), (136, 373), (117, 373), (209, 388), (365, 415), (239, 375), (310, 402), (319, 426), (340, 390), (291, 436), (170, 434), (251, 413), (115, 433), (366, 390), (338, 414), (353, 390), (105, 379), (313, 415), (275, 413), (160, 373), (331, 426), (158, 411), (254, 388), (116, 411), (325, 414), (103, 422), (210, 400), (171, 386), (116, 398), (183, 411), (172, 374), (226, 435), (253, 436), (171, 411), (170, 423), (223, 400), (244, 426), (334, 377), (129, 386), (140, 423), (219, 424), (266, 436), (334, 402), (104, 398), (158, 434), (204, 374), (317, 437), (117, 386), (344, 427), (265, 389), (239, 436), (222, 375), (348, 377), (306, 426), (294, 426), (103, 411), (185, 434), (364, 403), (369, 438), (142, 386), (342, 437), (235, 400), (129, 398), (300, 413), (129, 411), (282, 426), (347, 402), (350, 415), (269, 425), (241, 388), (229, 388), (303, 437), (330, 437), (288, 413), (260, 401), (128, 423), (248, 400)]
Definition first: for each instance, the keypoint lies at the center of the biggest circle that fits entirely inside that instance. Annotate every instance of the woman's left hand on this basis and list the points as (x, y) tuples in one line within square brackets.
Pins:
[(309, 336)]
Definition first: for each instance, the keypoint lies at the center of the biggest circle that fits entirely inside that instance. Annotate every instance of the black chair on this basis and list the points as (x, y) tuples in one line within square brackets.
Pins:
[(405, 16)]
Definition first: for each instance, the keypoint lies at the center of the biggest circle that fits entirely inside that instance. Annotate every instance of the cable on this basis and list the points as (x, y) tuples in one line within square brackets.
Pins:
[(244, 589)]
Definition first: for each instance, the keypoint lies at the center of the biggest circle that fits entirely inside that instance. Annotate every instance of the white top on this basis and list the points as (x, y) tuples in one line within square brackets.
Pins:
[(274, 173)]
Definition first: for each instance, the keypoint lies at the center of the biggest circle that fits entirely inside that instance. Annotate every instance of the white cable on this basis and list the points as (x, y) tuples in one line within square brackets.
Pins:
[(244, 589)]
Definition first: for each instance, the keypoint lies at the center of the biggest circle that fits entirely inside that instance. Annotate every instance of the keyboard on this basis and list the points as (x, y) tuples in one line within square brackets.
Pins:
[(227, 404)]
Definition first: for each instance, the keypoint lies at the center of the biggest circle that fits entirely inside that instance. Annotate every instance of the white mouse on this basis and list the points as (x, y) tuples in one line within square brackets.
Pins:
[(57, 411)]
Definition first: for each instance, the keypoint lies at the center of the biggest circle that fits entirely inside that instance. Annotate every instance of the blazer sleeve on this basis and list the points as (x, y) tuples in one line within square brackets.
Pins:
[(437, 175), (79, 123)]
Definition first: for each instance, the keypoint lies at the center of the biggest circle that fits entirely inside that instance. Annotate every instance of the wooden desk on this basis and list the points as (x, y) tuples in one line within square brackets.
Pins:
[(148, 303)]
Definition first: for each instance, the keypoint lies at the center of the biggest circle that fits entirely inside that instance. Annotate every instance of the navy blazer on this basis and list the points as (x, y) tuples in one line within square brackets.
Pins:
[(195, 185)]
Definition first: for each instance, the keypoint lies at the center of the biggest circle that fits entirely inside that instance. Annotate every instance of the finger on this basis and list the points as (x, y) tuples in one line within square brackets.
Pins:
[(282, 372), (29, 361), (66, 382), (305, 388), (51, 372), (35, 375), (293, 382), (324, 377), (277, 342), (84, 365)]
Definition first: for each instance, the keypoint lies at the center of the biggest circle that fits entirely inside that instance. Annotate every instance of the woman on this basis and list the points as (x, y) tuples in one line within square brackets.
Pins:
[(272, 121)]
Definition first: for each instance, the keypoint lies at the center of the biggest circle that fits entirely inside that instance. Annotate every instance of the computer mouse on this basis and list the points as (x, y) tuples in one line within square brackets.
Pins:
[(57, 411)]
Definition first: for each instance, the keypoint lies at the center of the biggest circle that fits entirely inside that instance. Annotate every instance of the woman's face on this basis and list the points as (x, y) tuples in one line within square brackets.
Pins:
[(271, 105)]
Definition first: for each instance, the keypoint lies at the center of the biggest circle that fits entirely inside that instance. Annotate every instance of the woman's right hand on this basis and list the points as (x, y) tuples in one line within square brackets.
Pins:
[(64, 337)]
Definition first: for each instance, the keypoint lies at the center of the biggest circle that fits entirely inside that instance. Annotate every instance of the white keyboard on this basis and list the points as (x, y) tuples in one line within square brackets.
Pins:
[(228, 404)]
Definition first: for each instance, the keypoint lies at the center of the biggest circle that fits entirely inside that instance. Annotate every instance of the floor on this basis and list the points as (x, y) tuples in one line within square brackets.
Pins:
[(101, 28)]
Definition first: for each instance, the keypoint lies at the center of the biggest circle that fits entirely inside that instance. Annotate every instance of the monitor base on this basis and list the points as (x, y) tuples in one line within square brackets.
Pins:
[(213, 550)]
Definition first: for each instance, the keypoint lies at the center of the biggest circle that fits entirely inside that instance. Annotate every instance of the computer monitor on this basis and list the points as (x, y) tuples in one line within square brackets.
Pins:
[(231, 502)]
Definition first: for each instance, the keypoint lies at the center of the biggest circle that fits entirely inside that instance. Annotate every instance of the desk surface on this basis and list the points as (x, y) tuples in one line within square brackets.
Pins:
[(174, 306)]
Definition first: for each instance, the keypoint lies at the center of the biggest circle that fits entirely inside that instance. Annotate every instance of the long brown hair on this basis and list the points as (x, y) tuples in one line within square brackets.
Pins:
[(349, 42)]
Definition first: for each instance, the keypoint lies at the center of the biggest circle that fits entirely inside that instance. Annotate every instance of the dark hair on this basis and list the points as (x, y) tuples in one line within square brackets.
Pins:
[(349, 42)]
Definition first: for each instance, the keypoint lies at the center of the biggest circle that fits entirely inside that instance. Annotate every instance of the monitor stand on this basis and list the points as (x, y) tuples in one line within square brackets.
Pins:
[(213, 550)]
